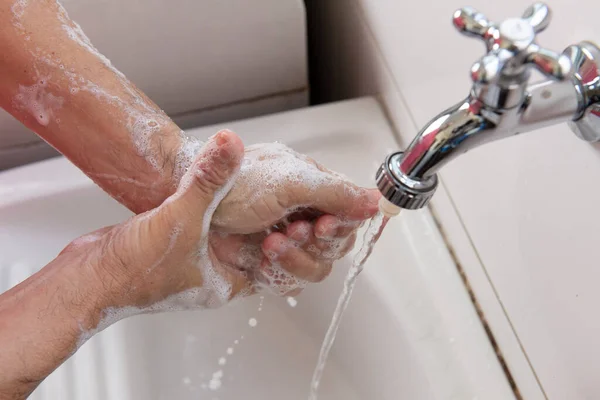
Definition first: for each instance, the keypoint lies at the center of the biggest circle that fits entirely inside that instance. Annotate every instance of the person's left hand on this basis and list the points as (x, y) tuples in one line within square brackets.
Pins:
[(302, 215)]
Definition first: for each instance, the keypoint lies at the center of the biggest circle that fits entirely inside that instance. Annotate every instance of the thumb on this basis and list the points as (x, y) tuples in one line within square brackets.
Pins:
[(208, 179)]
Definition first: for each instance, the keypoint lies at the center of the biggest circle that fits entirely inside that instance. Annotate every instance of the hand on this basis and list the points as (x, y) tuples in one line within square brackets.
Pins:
[(275, 181), (163, 259), (278, 187)]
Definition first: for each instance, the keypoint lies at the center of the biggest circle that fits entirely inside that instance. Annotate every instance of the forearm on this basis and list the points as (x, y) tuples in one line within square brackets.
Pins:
[(44, 319), (55, 82)]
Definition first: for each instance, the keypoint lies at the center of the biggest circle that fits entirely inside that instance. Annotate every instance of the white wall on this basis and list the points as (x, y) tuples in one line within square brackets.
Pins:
[(520, 214)]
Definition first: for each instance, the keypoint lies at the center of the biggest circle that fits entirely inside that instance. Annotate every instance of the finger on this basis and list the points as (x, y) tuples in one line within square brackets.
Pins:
[(277, 280), (330, 226), (348, 227), (327, 226), (334, 249), (240, 281), (207, 179), (332, 246), (280, 250), (240, 251), (300, 232), (338, 197)]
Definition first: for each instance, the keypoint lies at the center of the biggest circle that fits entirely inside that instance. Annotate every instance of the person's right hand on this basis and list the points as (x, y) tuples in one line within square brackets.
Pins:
[(275, 182), (315, 213)]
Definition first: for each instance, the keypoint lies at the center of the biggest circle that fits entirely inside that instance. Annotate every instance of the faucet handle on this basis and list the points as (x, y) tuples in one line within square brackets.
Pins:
[(538, 15), (511, 46), (471, 22), (551, 64)]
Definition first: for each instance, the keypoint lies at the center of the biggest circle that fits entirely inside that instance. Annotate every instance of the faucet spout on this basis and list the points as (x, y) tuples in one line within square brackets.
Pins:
[(446, 136), (500, 104)]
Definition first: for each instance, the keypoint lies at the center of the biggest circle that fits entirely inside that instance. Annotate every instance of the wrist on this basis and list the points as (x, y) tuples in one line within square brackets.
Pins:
[(143, 189), (92, 267)]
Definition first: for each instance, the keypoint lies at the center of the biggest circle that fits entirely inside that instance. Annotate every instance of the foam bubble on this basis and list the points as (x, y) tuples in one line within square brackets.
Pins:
[(230, 350), (37, 101), (335, 248), (189, 148), (252, 322), (18, 11), (222, 361), (272, 166), (279, 281), (215, 383), (143, 119), (292, 302)]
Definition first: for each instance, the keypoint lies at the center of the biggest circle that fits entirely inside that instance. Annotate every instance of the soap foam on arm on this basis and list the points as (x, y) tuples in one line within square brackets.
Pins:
[(58, 84)]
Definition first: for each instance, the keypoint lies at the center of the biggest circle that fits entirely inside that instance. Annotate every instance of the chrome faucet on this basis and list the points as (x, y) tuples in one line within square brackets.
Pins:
[(501, 102)]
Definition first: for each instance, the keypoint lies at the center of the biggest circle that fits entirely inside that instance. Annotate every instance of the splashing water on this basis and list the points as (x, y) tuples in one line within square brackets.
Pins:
[(370, 237)]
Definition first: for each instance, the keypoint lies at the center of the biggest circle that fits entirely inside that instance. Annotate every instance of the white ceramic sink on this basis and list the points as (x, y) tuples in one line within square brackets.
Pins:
[(410, 331)]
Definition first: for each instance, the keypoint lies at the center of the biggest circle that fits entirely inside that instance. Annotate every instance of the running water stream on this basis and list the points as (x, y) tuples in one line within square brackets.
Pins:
[(370, 237)]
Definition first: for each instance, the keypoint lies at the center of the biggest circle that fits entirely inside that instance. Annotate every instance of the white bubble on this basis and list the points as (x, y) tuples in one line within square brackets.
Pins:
[(279, 281), (292, 301), (214, 384), (230, 351), (222, 361), (252, 322)]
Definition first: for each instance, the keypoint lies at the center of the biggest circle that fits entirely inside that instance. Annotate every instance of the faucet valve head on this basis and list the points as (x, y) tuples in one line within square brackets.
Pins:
[(501, 75), (401, 190)]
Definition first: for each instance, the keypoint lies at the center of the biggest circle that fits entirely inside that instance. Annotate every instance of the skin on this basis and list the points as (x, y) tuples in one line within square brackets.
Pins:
[(54, 82)]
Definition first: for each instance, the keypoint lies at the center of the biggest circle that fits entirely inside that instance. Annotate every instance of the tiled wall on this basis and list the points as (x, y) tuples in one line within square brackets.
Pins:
[(520, 214)]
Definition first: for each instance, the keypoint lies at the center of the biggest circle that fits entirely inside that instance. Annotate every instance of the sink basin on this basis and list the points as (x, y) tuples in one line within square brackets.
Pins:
[(410, 331)]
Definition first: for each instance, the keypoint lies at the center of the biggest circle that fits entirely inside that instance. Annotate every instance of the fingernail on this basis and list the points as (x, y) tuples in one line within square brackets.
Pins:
[(221, 137), (328, 231), (276, 249), (300, 235)]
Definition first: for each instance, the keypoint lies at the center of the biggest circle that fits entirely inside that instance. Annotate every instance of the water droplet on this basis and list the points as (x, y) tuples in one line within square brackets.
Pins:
[(292, 301)]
